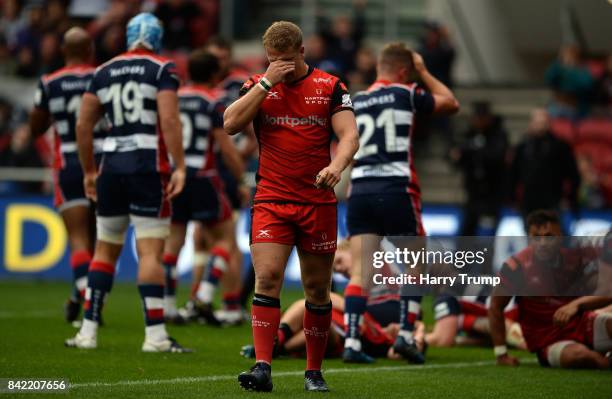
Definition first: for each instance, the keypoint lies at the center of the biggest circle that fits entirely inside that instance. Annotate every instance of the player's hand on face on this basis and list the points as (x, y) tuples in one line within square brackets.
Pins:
[(565, 313), (277, 70), (507, 360), (176, 184), (89, 183), (327, 178)]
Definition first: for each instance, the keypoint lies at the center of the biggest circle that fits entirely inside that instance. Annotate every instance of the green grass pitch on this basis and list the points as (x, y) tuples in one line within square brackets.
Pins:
[(31, 345)]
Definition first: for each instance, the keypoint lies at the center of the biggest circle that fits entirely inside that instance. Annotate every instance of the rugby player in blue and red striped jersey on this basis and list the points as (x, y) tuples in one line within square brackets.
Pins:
[(137, 92)]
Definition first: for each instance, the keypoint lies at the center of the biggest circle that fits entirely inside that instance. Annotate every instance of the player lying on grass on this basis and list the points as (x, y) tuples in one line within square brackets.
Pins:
[(378, 330), (564, 331), (379, 327), (468, 315)]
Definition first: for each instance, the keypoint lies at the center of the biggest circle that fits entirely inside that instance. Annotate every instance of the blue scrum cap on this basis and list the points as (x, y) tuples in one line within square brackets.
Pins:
[(146, 30)]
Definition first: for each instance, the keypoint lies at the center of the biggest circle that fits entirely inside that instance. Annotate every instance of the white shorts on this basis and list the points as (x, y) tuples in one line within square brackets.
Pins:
[(112, 229)]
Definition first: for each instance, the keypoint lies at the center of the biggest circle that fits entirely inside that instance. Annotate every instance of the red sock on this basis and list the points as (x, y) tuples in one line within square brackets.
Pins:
[(467, 324), (265, 318), (317, 320)]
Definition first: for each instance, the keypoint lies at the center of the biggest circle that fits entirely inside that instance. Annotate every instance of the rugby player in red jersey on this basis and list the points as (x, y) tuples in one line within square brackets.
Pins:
[(295, 109), (562, 330)]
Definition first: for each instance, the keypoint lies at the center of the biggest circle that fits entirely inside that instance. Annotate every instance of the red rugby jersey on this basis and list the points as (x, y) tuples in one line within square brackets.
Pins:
[(521, 272), (293, 127)]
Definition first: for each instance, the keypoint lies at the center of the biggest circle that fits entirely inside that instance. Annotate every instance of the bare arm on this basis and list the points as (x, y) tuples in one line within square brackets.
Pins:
[(497, 323), (40, 120), (566, 312), (251, 143), (229, 153), (167, 104), (497, 319), (445, 101), (242, 111), (90, 114), (345, 128)]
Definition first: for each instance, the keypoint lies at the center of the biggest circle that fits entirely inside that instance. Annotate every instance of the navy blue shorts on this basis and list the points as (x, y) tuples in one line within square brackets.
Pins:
[(203, 200), (136, 194), (446, 305), (231, 187), (390, 214), (385, 313), (68, 188)]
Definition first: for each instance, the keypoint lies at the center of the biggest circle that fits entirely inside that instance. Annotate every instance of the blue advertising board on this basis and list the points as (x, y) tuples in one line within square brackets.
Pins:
[(34, 243)]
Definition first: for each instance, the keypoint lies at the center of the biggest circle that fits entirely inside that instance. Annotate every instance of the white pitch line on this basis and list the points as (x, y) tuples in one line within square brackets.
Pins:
[(213, 378)]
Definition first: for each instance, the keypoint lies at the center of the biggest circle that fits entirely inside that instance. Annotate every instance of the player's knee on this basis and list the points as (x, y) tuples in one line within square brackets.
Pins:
[(112, 229), (268, 280), (150, 269), (316, 292)]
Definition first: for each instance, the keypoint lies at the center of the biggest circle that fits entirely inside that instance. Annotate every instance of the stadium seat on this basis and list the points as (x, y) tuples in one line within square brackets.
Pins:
[(181, 60), (596, 68), (599, 130), (563, 129), (599, 154)]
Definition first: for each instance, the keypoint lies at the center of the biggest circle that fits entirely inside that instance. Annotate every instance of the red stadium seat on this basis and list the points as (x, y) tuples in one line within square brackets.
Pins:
[(596, 68), (599, 130), (563, 129), (181, 60)]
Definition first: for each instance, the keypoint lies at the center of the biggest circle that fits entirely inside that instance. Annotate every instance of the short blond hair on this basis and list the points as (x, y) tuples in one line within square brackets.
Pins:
[(395, 55), (283, 36)]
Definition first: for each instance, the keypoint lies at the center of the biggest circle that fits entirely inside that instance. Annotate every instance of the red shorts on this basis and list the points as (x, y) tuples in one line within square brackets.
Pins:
[(312, 228), (580, 331)]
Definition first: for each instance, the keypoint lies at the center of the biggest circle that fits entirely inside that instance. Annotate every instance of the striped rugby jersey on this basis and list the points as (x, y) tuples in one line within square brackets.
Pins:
[(127, 87), (385, 115), (60, 94), (201, 111)]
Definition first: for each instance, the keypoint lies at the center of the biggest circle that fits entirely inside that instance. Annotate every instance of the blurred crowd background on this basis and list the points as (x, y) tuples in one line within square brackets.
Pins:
[(544, 141)]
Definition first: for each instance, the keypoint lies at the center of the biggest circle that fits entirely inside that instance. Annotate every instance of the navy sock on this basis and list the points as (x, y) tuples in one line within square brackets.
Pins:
[(99, 283), (410, 307)]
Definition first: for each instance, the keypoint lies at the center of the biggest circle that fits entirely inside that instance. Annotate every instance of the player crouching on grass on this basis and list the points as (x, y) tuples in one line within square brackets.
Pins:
[(454, 315), (564, 331), (379, 328), (295, 109)]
